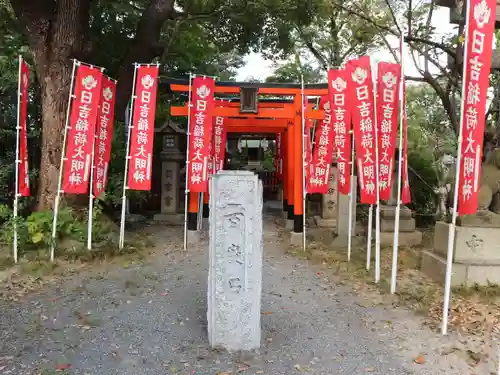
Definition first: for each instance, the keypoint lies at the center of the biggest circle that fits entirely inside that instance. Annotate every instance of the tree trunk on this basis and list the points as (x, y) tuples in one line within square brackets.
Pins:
[(57, 33), (55, 92)]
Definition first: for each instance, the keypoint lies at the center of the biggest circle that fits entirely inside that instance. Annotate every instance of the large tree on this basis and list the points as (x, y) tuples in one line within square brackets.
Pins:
[(115, 34)]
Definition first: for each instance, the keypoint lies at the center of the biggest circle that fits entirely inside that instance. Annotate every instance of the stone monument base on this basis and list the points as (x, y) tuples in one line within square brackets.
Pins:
[(341, 242), (325, 223), (193, 237), (170, 219), (476, 255), (296, 239), (407, 239), (204, 223), (408, 235)]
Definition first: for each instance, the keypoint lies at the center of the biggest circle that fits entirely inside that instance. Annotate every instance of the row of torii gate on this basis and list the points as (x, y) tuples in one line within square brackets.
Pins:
[(281, 113)]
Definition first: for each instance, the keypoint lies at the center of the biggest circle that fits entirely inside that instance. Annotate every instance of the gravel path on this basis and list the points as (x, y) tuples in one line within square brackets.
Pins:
[(151, 319)]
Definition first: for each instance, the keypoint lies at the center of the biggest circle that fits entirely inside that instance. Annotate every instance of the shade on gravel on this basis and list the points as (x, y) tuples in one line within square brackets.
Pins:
[(151, 319)]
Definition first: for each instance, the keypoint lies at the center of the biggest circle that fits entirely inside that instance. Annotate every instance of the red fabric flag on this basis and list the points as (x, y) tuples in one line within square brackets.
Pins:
[(104, 135), (200, 130), (387, 121), (219, 140), (338, 92), (143, 128), (81, 130), (361, 95), (23, 171), (479, 41), (323, 151)]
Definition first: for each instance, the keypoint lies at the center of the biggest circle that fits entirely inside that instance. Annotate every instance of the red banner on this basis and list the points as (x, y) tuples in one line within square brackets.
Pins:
[(104, 135), (341, 128), (323, 151), (200, 130), (23, 171), (387, 121), (361, 94), (143, 128), (220, 135), (278, 156), (81, 130), (405, 192), (479, 40), (307, 156)]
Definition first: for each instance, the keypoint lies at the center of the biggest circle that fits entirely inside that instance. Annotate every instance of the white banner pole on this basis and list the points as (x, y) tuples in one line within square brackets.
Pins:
[(304, 190), (395, 241), (452, 226), (63, 158), (352, 202), (127, 158), (17, 164), (91, 188), (199, 217), (370, 230), (377, 178), (186, 190)]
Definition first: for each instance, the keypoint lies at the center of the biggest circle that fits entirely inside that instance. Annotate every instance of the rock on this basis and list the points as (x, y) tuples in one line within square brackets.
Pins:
[(495, 203), (484, 197)]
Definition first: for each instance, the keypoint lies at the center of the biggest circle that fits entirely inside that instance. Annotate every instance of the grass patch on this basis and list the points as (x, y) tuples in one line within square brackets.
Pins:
[(35, 268), (474, 309)]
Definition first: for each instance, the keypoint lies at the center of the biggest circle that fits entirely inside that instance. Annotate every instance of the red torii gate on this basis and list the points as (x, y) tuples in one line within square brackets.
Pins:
[(270, 116)]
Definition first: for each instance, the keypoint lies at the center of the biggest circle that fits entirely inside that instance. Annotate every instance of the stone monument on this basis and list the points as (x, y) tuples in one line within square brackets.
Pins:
[(342, 222), (171, 159), (329, 202), (235, 261), (408, 234)]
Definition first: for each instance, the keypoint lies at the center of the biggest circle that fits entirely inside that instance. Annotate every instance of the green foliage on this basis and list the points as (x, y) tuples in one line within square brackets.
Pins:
[(35, 231), (268, 161)]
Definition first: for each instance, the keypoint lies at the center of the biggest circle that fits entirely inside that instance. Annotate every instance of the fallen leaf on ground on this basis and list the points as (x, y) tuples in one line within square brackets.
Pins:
[(62, 367), (419, 360), (266, 313), (370, 369)]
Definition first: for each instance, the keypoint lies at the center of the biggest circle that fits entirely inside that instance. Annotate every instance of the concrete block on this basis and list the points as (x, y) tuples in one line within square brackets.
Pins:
[(473, 245), (434, 266)]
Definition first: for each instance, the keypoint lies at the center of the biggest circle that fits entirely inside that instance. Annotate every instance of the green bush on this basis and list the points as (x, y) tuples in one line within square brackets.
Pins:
[(35, 231)]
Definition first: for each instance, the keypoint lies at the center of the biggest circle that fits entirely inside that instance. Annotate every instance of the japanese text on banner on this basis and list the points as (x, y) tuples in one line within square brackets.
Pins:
[(143, 127), (80, 140), (24, 179), (278, 156), (308, 164), (480, 29), (219, 136), (323, 151), (388, 78), (200, 130), (341, 126), (104, 135), (361, 92)]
